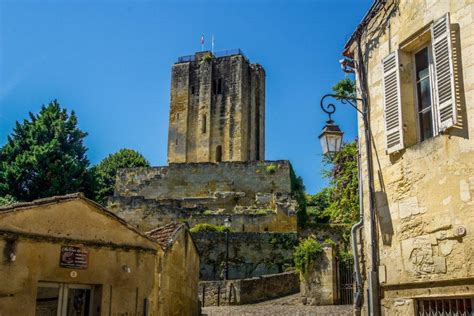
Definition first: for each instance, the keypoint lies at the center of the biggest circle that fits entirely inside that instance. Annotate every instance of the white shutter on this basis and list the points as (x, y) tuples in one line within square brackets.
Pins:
[(444, 74), (392, 103)]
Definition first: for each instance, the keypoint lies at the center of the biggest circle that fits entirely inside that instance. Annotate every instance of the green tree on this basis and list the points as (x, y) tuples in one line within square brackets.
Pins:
[(106, 170), (44, 156), (345, 87), (344, 186)]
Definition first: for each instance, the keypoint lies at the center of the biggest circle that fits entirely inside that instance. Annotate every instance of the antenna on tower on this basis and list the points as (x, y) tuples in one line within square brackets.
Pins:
[(202, 42)]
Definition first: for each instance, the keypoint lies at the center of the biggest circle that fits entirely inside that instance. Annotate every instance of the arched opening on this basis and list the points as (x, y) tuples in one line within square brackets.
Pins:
[(219, 153)]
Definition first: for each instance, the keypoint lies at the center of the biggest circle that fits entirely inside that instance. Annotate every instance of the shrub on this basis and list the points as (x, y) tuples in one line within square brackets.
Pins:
[(205, 227), (305, 253), (207, 58), (208, 212), (271, 168)]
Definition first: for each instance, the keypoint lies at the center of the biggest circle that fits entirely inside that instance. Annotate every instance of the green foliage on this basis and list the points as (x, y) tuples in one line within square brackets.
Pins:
[(298, 193), (208, 212), (260, 212), (338, 204), (207, 58), (271, 168), (305, 253), (345, 87), (106, 171), (343, 175), (44, 156), (345, 257), (204, 227), (317, 206), (7, 200)]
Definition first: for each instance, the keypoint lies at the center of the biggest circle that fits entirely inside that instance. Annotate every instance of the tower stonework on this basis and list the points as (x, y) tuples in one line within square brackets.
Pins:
[(217, 109)]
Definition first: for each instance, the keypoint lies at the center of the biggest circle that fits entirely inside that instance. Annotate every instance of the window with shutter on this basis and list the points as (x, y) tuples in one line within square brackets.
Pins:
[(392, 103), (444, 74)]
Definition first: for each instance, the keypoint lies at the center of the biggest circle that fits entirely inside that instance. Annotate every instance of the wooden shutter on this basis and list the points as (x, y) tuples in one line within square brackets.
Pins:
[(444, 74), (392, 103)]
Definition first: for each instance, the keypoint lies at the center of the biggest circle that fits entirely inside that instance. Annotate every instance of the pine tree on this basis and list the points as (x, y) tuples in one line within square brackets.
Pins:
[(44, 156)]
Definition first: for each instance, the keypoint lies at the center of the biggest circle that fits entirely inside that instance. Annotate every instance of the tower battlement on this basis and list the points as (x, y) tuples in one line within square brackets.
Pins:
[(217, 109)]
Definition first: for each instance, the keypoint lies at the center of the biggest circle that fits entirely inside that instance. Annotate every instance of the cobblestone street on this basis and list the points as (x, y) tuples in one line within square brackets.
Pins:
[(284, 306), (296, 310)]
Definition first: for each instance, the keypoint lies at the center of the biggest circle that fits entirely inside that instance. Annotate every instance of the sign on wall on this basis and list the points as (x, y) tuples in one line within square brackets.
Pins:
[(74, 257)]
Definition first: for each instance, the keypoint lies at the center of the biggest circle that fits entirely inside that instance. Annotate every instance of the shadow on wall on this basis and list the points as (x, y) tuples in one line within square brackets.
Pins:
[(461, 129)]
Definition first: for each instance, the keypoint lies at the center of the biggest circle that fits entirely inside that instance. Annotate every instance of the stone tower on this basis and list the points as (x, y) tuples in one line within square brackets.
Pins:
[(217, 109)]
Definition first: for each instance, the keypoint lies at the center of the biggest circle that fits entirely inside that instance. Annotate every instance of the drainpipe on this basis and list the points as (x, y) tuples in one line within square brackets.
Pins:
[(354, 230)]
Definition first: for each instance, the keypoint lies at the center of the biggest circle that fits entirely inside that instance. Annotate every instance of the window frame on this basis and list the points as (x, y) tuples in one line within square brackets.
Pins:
[(432, 80)]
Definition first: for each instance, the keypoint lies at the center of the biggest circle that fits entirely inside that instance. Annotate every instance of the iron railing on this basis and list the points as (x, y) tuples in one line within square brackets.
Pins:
[(219, 54)]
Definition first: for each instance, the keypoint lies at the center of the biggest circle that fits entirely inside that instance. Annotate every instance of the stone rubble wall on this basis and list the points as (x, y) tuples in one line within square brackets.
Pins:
[(250, 254), (248, 291)]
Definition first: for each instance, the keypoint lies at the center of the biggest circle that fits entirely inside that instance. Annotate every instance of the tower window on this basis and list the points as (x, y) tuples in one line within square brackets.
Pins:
[(192, 90), (219, 86), (204, 124), (219, 153)]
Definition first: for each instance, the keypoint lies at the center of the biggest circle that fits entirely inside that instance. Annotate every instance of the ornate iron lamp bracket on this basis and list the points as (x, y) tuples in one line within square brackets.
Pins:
[(330, 108)]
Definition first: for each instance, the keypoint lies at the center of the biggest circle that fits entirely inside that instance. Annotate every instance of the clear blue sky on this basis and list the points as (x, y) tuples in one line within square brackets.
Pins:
[(110, 61)]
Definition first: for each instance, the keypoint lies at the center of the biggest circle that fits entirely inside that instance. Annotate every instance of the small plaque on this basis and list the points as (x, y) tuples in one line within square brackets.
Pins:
[(74, 257)]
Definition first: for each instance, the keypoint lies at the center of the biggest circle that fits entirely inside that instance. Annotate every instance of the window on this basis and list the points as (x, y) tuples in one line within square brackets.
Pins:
[(192, 90), (431, 97), (219, 153), (453, 306), (176, 142), (424, 94), (217, 86)]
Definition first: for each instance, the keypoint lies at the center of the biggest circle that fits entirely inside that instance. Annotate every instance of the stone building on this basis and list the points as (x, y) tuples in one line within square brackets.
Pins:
[(216, 165), (215, 154), (217, 110), (415, 63), (67, 255)]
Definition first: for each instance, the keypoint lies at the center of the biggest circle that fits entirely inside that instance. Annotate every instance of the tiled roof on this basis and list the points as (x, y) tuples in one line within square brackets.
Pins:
[(43, 201), (164, 235)]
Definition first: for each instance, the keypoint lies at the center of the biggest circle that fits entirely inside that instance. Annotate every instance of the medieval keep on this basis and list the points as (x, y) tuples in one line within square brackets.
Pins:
[(217, 110), (216, 167)]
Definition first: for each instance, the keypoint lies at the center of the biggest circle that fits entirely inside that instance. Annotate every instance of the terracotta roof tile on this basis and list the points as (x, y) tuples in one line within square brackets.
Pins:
[(164, 235)]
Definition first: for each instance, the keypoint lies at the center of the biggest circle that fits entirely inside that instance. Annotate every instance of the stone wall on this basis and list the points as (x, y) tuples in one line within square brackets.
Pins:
[(217, 110), (248, 291), (424, 192), (250, 254), (256, 194), (319, 282)]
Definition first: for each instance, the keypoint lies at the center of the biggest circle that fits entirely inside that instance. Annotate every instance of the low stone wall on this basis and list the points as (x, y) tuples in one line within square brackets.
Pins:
[(247, 291), (250, 254)]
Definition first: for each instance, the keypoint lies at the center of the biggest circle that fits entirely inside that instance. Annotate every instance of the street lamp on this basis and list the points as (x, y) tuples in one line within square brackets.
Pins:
[(227, 225), (331, 140)]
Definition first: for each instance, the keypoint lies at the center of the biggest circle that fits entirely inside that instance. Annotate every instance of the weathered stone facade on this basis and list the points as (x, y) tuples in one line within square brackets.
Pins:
[(217, 110), (68, 252), (257, 195), (425, 189)]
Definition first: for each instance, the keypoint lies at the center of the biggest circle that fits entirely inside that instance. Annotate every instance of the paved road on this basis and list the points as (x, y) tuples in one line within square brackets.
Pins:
[(280, 307)]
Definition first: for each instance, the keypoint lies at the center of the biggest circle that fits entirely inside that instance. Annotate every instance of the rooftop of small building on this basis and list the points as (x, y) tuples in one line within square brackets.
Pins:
[(165, 235)]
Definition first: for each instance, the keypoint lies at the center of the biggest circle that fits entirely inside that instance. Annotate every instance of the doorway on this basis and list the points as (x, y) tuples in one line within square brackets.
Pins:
[(61, 299)]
